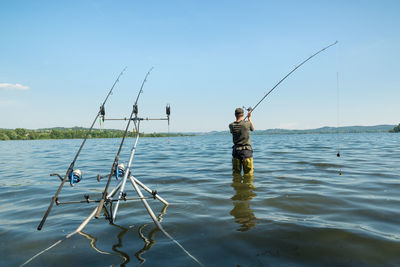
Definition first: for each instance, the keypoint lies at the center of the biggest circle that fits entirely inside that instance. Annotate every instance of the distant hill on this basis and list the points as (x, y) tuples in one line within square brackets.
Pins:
[(327, 130), (323, 130)]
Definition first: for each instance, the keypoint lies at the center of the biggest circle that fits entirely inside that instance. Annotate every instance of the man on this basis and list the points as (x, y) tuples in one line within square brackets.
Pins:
[(242, 152)]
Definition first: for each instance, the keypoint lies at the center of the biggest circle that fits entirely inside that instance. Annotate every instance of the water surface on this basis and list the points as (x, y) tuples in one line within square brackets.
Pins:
[(297, 210)]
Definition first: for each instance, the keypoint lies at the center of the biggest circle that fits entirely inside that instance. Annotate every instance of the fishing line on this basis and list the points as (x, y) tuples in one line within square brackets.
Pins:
[(134, 112), (100, 114), (179, 245), (168, 112), (77, 230), (338, 121), (43, 251), (86, 221), (287, 75), (152, 215)]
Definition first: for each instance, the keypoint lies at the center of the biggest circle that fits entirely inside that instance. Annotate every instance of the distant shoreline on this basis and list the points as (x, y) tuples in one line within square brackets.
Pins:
[(72, 133), (385, 128), (80, 132)]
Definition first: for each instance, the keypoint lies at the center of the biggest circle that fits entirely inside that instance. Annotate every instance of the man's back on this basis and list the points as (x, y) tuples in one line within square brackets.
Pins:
[(242, 153), (240, 132)]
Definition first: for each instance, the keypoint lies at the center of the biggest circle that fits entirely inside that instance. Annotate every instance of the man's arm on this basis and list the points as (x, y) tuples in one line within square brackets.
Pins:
[(251, 123)]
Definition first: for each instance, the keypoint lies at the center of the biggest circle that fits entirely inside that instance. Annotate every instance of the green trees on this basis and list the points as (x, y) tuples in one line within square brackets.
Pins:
[(21, 132), (9, 135), (17, 134), (68, 133), (4, 136), (395, 129), (56, 134)]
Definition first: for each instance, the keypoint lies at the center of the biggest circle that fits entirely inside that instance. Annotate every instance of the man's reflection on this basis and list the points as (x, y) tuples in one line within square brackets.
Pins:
[(244, 192)]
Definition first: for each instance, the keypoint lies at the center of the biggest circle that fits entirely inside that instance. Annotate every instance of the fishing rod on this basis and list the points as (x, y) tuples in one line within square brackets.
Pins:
[(135, 182), (75, 176), (77, 230), (121, 171), (287, 75), (133, 113)]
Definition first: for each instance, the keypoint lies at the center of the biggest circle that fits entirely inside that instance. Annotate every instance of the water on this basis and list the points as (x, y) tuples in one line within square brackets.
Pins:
[(297, 211)]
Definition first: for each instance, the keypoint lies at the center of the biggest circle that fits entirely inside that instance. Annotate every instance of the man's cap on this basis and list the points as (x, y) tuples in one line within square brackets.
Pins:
[(239, 111)]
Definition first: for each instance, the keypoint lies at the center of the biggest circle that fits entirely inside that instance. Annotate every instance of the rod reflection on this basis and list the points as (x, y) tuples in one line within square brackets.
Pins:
[(116, 247), (148, 240), (244, 193), (93, 241)]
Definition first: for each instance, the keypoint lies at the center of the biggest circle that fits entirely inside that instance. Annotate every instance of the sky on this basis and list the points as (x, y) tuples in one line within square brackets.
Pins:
[(58, 59)]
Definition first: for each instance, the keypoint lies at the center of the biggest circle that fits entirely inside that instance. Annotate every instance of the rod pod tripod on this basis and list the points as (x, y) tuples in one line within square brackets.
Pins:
[(110, 208)]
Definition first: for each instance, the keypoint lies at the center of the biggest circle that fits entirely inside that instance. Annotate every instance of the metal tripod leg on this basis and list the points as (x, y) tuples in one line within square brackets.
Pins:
[(121, 191), (127, 171), (146, 205), (87, 220), (149, 190)]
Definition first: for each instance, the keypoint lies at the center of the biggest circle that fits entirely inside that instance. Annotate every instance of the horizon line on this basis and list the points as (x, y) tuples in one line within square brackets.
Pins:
[(285, 129)]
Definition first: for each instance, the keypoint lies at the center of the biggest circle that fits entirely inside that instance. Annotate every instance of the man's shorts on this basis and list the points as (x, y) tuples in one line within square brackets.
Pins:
[(242, 154)]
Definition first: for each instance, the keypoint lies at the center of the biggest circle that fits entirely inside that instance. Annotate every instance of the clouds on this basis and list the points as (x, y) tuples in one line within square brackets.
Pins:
[(13, 87)]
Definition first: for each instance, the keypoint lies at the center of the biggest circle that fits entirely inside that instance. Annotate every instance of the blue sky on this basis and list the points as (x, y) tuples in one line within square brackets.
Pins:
[(59, 59)]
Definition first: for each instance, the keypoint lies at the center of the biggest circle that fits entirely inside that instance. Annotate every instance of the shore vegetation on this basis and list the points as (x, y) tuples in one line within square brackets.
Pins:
[(71, 133)]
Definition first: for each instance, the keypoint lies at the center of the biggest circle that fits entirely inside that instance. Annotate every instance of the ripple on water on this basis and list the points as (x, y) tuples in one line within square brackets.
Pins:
[(298, 210)]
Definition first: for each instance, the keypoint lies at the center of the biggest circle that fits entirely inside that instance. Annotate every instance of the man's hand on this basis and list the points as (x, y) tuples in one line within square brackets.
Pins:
[(249, 118)]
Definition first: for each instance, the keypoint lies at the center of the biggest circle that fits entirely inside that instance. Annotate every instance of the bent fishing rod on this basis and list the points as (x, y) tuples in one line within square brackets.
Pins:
[(287, 75), (133, 113), (70, 170)]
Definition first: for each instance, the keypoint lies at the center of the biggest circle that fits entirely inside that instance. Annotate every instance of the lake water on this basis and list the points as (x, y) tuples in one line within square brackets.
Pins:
[(298, 210)]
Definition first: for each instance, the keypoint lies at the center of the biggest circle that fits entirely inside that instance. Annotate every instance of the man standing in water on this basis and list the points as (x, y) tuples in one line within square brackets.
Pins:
[(242, 153)]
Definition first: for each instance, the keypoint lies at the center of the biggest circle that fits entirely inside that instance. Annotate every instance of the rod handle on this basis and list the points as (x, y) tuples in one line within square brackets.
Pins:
[(46, 214), (99, 208)]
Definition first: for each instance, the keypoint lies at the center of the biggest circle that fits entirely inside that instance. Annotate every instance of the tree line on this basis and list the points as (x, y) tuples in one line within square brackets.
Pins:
[(70, 133), (396, 129)]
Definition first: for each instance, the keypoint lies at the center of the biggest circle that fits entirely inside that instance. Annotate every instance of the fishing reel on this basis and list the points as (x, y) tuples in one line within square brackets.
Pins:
[(249, 109), (75, 177), (119, 171)]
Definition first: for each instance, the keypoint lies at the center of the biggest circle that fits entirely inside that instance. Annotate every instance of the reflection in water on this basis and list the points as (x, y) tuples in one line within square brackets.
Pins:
[(120, 254), (116, 247), (93, 241), (149, 241), (244, 192)]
